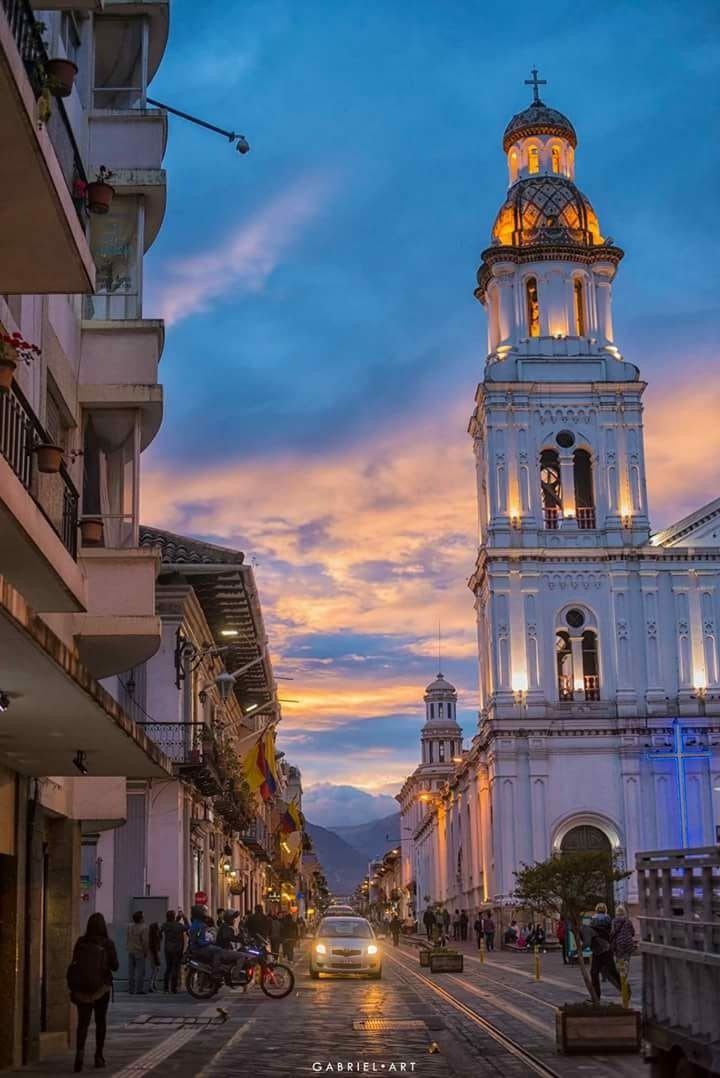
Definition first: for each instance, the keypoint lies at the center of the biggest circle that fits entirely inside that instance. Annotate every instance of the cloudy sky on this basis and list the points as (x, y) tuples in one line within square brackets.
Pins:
[(323, 343)]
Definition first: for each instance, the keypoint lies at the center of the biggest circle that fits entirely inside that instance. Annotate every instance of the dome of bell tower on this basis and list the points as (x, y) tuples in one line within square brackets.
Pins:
[(538, 119), (546, 208)]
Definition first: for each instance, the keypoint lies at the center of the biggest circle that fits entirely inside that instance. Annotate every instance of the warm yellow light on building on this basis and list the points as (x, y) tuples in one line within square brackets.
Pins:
[(519, 681)]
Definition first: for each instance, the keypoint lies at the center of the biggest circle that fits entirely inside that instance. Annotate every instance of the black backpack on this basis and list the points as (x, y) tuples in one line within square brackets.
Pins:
[(88, 971)]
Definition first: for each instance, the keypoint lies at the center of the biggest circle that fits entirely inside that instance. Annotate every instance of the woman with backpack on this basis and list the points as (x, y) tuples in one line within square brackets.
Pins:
[(90, 981)]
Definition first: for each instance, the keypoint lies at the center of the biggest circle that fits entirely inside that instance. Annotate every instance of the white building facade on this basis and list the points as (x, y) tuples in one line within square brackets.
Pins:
[(599, 684)]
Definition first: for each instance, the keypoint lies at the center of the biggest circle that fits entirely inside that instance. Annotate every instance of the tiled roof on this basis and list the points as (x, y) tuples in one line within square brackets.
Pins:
[(182, 550)]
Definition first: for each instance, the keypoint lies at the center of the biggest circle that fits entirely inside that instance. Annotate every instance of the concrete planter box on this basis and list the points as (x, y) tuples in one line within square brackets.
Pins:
[(590, 1027), (446, 962), (425, 953)]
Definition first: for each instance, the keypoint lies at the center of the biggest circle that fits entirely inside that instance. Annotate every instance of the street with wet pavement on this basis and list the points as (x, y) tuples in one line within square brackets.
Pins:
[(493, 1019)]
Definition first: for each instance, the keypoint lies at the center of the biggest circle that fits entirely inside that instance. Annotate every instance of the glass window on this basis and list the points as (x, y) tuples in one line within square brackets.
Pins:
[(440, 710), (110, 454), (337, 928), (513, 166), (430, 752), (579, 302), (555, 158), (533, 307), (441, 752), (119, 63), (432, 711), (533, 160), (563, 650), (114, 246)]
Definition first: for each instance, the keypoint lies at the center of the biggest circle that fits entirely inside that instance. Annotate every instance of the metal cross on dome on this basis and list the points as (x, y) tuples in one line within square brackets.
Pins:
[(680, 754), (535, 82)]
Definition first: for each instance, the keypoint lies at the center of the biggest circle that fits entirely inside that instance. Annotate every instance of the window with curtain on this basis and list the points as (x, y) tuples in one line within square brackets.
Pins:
[(119, 75), (110, 454), (114, 245)]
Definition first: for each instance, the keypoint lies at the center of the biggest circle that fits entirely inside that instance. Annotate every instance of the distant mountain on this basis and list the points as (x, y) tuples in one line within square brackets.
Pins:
[(372, 839), (326, 802), (344, 866)]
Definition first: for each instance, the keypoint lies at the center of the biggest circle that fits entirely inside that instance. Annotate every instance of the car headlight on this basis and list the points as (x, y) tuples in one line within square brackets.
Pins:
[(320, 948), (372, 949)]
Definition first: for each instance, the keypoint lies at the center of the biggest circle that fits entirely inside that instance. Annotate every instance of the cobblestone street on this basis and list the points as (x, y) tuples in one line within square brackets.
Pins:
[(413, 1024)]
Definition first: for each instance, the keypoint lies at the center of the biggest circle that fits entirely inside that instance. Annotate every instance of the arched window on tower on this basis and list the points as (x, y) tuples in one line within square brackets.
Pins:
[(579, 307), (550, 487), (533, 307), (441, 752), (513, 166), (440, 710), (533, 160), (432, 711), (430, 752), (584, 500), (591, 670), (564, 657), (555, 159)]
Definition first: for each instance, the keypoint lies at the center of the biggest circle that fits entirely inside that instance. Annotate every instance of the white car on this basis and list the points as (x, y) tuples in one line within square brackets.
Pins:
[(339, 911), (345, 945)]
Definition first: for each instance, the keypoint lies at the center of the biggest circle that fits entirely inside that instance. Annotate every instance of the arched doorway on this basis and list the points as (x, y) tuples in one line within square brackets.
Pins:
[(588, 839)]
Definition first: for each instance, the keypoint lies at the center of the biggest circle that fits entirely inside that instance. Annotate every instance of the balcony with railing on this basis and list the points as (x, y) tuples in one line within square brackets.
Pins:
[(191, 747), (38, 513), (256, 838), (41, 168), (585, 517), (589, 691), (551, 517)]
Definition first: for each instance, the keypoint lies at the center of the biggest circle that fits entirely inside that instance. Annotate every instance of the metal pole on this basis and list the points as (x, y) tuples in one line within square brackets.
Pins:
[(231, 136), (536, 951)]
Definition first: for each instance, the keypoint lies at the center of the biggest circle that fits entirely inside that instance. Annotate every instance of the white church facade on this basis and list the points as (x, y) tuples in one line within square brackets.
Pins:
[(599, 679)]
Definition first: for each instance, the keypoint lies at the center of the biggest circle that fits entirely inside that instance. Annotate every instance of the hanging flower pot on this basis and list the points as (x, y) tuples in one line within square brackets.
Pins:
[(91, 531), (60, 75), (8, 366), (100, 192), (49, 457)]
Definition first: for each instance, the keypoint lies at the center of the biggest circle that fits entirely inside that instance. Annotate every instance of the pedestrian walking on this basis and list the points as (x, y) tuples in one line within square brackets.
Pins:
[(275, 933), (602, 963), (445, 914), (429, 922), (456, 925), (395, 926), (258, 923), (89, 978), (154, 944), (172, 934), (478, 928), (288, 936), (464, 919), (622, 938), (489, 931), (137, 952)]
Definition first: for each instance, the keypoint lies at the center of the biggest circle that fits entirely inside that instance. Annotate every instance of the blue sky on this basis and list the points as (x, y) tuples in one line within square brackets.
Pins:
[(323, 343)]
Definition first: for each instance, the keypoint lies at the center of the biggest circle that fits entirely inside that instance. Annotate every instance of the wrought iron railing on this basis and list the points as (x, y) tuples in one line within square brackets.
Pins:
[(28, 39), (55, 494), (182, 742)]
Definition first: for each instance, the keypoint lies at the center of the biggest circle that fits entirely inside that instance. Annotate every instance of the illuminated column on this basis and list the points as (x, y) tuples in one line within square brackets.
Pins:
[(504, 274), (603, 274)]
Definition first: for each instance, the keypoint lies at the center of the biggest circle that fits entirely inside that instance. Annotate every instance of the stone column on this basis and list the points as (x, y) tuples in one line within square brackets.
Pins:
[(504, 274), (603, 274)]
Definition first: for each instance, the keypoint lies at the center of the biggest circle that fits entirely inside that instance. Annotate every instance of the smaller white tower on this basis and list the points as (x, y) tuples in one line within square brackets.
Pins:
[(441, 736)]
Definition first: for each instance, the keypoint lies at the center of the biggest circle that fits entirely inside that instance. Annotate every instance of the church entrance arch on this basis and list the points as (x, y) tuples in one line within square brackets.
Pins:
[(585, 838)]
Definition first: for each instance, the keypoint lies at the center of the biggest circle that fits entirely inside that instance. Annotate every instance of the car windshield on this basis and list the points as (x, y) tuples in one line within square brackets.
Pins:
[(337, 927)]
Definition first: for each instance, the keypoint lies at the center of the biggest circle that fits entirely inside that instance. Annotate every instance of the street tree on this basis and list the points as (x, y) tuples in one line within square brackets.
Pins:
[(566, 886)]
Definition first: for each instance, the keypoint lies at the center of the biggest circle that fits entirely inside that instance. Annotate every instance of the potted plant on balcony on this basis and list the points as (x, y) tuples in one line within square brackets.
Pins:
[(49, 457), (100, 192), (92, 529), (60, 76), (566, 886), (13, 349)]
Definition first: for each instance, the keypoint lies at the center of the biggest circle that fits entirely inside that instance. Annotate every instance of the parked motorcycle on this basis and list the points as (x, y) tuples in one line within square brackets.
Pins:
[(203, 981)]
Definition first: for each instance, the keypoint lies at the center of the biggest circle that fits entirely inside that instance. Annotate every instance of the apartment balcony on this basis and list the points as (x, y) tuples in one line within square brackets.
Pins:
[(120, 359), (255, 838), (43, 225), (157, 15), (191, 748), (38, 515), (57, 710), (120, 629)]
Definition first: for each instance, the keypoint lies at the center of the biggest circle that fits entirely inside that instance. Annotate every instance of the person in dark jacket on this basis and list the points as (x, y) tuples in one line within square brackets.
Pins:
[(258, 923), (95, 1002), (602, 963), (154, 945), (464, 919), (225, 935), (429, 922), (173, 934), (395, 926), (288, 936)]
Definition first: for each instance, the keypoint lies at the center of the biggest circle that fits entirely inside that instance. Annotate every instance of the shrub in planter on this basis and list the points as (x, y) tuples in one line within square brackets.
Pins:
[(100, 192), (13, 349), (91, 531), (60, 75), (49, 457)]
